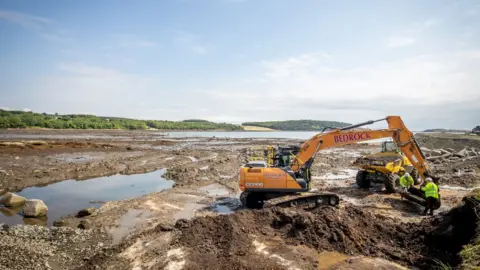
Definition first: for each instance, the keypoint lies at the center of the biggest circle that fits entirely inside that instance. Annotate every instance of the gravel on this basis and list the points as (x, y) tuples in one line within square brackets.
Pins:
[(36, 247)]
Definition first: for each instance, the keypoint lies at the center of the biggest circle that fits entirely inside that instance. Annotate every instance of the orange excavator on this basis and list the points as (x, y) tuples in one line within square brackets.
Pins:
[(290, 184)]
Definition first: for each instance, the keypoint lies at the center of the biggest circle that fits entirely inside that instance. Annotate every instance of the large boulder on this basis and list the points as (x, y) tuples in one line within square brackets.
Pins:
[(12, 200), (436, 153), (35, 208)]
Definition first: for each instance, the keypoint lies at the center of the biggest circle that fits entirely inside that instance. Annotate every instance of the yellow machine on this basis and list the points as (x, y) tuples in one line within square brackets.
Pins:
[(290, 185), (384, 167)]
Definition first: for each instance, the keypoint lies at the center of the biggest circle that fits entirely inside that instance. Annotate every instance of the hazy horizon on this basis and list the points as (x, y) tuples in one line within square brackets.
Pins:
[(239, 61)]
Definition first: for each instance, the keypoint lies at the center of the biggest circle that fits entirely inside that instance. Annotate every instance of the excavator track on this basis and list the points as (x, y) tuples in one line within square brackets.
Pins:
[(306, 199)]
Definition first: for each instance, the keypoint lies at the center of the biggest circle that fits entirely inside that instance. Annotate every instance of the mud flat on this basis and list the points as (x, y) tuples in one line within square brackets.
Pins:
[(197, 221)]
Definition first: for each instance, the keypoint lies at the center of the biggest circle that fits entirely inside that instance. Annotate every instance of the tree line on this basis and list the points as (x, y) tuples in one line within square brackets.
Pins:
[(298, 124), (21, 119)]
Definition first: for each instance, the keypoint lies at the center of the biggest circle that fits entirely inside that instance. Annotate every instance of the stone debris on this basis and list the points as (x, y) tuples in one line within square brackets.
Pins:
[(35, 247), (84, 225), (35, 208), (85, 212), (12, 200)]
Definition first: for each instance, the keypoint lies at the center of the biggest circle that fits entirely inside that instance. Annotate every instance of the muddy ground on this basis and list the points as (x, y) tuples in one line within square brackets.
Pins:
[(199, 222)]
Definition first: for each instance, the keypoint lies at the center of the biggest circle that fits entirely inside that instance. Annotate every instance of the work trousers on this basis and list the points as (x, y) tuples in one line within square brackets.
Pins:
[(430, 205)]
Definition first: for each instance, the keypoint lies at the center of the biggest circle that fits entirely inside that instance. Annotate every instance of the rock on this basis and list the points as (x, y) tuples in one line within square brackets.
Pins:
[(84, 225), (451, 150), (164, 227), (428, 155), (444, 152), (462, 154), (85, 212), (60, 223), (425, 149), (35, 208), (5, 227), (182, 223), (12, 200), (439, 158), (129, 148), (436, 153)]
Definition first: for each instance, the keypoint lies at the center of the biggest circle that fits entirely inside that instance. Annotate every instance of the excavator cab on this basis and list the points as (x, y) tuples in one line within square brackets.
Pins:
[(390, 146)]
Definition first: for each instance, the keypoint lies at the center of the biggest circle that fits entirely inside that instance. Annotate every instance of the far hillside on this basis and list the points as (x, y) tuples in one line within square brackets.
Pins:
[(299, 125), (21, 119)]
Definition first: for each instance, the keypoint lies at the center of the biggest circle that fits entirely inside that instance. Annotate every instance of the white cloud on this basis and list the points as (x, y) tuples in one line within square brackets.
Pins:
[(44, 27), (430, 22), (106, 91), (437, 90), (138, 43), (398, 41), (417, 88), (191, 42), (285, 67), (474, 11), (199, 49), (24, 19)]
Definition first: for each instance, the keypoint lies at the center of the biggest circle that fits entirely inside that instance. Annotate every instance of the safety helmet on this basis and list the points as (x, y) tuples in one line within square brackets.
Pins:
[(428, 179), (407, 174)]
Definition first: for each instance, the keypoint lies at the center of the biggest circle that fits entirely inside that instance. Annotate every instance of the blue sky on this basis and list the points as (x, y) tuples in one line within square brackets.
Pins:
[(245, 60)]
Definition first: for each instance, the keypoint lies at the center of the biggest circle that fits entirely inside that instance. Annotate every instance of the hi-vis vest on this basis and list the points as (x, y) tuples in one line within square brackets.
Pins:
[(431, 190)]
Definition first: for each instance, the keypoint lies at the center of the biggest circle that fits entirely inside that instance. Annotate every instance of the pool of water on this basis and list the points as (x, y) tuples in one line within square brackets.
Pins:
[(70, 196)]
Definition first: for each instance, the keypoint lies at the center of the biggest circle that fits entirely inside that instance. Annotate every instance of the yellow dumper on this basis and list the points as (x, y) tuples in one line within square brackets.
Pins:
[(384, 167)]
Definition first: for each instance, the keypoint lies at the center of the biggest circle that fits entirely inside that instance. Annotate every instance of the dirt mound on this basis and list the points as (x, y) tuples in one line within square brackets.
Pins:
[(229, 240)]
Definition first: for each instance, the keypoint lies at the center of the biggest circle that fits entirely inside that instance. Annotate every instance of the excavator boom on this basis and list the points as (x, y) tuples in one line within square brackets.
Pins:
[(396, 130)]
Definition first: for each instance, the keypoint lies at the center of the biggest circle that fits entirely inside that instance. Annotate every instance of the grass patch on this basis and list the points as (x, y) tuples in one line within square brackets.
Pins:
[(441, 266)]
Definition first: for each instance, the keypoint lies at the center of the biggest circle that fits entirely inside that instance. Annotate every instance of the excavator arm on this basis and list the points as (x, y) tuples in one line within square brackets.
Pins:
[(397, 130)]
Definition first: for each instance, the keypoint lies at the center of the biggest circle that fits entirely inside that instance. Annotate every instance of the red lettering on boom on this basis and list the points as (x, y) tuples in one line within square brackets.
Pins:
[(350, 137)]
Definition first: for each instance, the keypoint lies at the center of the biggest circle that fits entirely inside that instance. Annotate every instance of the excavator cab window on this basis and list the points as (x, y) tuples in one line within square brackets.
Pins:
[(389, 146)]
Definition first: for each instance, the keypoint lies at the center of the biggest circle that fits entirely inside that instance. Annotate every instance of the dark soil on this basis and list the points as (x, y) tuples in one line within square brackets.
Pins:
[(227, 240)]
